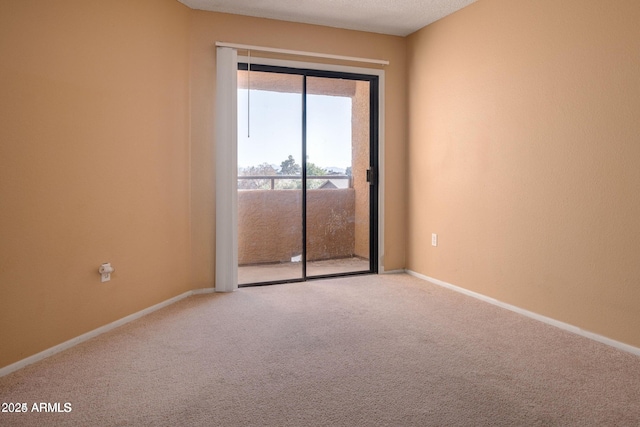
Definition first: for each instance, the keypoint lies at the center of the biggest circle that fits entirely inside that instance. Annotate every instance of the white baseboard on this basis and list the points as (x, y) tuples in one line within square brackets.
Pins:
[(203, 291), (565, 326), (94, 333)]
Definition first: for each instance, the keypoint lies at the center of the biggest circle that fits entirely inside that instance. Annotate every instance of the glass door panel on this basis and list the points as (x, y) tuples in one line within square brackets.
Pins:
[(270, 226), (337, 192)]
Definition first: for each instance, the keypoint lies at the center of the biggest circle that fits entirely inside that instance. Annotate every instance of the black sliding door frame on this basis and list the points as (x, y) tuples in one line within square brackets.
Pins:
[(372, 173)]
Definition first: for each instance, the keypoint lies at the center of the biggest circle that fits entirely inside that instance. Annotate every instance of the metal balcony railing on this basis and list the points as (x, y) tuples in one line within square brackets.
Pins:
[(273, 178)]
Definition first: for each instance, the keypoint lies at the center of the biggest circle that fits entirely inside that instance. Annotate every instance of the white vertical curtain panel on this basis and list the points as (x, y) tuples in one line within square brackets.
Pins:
[(226, 174)]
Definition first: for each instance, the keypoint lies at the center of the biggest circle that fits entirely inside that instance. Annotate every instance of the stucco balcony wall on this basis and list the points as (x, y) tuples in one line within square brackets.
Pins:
[(270, 225)]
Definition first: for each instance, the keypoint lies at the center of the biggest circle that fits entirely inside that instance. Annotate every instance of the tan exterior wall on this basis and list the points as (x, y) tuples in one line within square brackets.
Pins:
[(523, 157), (276, 82), (209, 27), (94, 165), (270, 225), (361, 143)]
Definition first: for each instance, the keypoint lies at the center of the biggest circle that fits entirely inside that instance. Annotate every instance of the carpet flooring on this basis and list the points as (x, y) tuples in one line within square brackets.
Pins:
[(381, 350)]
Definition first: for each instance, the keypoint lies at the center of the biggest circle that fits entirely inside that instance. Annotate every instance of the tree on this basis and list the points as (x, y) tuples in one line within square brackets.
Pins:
[(313, 170), (264, 169), (289, 167)]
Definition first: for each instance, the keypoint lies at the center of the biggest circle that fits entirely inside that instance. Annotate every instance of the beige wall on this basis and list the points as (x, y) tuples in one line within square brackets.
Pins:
[(209, 27), (94, 165), (522, 152), (106, 123), (523, 157)]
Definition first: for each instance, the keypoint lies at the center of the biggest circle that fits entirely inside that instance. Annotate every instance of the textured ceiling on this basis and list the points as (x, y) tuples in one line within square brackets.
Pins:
[(399, 17)]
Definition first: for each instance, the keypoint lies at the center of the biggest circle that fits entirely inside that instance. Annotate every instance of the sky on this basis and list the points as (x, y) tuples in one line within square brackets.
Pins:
[(275, 129)]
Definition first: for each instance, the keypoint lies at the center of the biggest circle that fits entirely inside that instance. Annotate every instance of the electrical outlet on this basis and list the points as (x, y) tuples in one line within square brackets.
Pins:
[(105, 271), (434, 239)]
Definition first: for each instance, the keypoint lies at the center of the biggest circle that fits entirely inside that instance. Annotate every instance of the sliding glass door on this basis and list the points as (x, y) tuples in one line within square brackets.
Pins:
[(306, 174)]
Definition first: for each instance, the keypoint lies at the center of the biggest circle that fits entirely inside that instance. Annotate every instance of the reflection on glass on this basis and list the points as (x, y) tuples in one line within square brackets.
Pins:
[(337, 213), (269, 177)]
